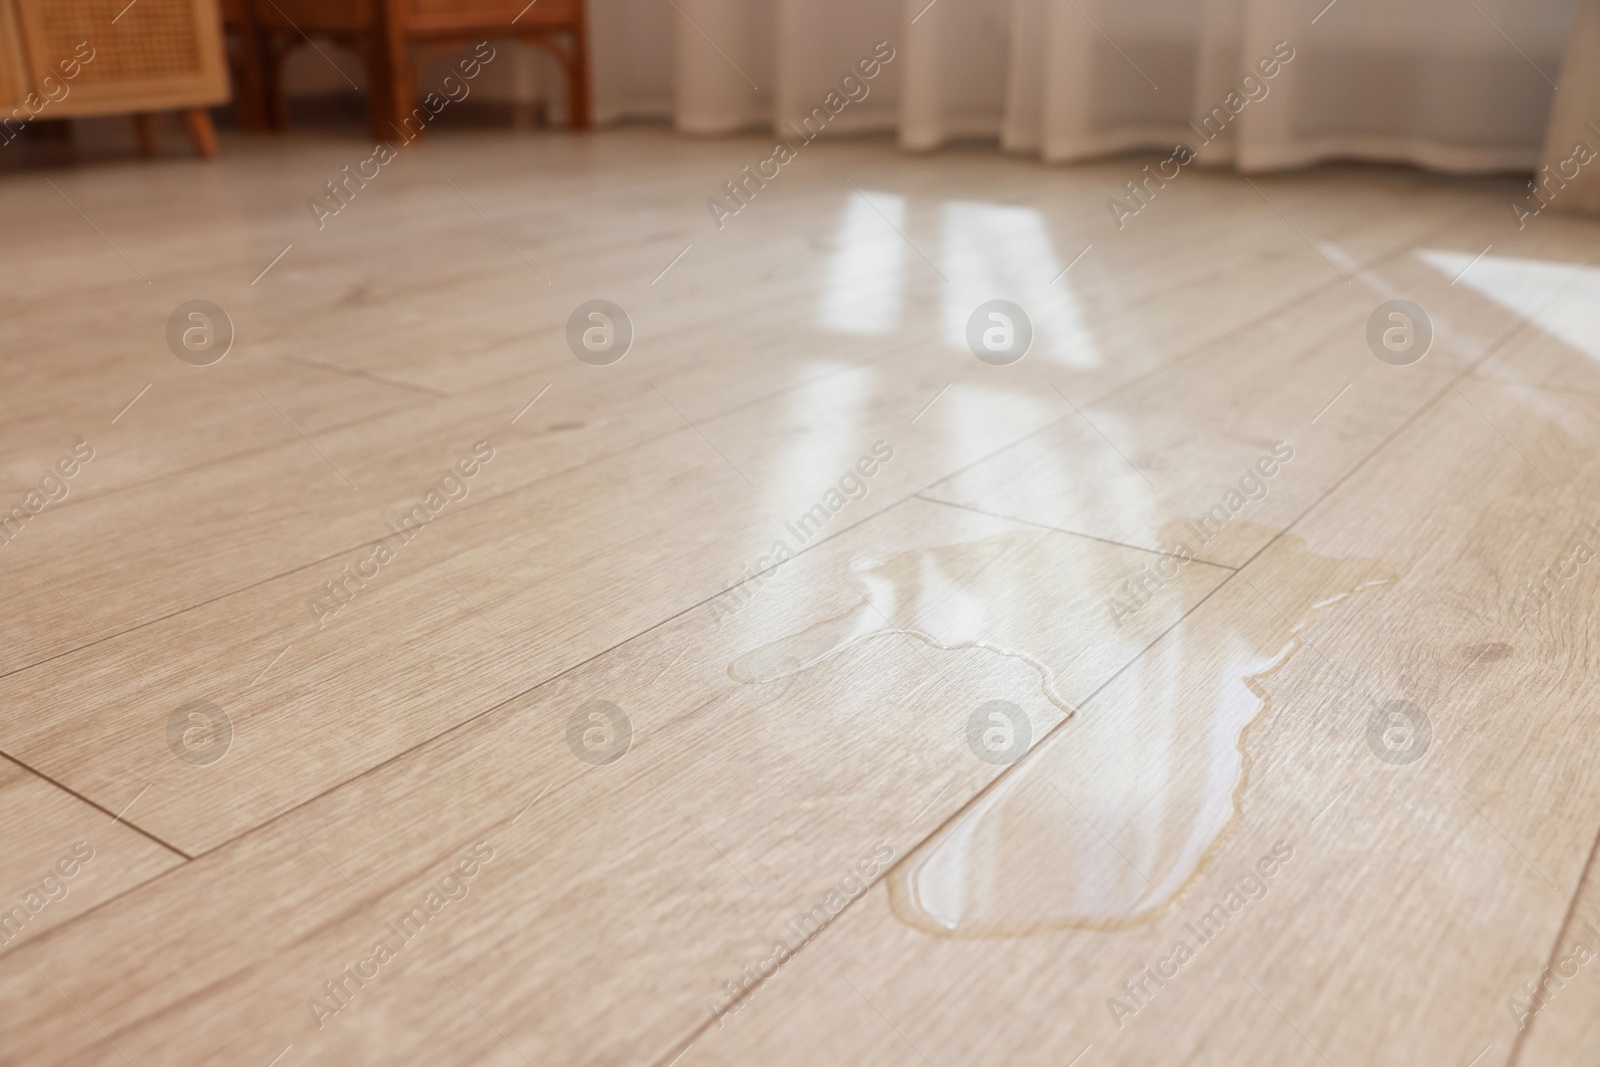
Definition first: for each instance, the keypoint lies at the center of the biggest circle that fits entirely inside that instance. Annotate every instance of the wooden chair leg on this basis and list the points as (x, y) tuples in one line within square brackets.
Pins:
[(144, 128), (202, 135)]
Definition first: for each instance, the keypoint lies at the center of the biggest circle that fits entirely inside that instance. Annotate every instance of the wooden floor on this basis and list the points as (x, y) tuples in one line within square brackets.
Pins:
[(668, 734)]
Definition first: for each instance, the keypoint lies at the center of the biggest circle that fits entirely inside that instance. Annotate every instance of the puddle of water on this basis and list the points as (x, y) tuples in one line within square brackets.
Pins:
[(1106, 821), (982, 594)]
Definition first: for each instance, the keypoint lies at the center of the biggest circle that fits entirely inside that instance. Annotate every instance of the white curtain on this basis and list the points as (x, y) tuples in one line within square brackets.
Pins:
[(1460, 85), (1571, 144)]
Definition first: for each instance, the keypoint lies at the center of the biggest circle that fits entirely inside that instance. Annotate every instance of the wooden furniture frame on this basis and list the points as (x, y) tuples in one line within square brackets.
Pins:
[(245, 64), (158, 55), (396, 38)]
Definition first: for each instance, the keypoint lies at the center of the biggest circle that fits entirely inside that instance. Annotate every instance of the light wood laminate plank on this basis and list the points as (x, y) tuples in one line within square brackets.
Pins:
[(64, 857), (723, 819)]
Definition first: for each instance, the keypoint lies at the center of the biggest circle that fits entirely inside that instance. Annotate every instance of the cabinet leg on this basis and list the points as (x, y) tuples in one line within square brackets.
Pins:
[(389, 98), (580, 106), (202, 135), (144, 128), (272, 79), (250, 93)]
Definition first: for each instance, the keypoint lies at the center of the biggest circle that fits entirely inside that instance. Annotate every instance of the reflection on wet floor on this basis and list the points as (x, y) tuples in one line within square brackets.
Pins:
[(983, 594), (1107, 819)]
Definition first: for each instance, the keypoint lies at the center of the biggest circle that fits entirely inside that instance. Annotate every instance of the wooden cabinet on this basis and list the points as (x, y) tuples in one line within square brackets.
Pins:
[(14, 79), (65, 58), (397, 37), (436, 16)]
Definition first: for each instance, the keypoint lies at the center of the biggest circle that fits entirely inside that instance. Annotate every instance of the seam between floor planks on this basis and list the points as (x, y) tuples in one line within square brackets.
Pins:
[(1525, 1032), (115, 818), (1153, 373), (1074, 533), (1511, 332), (465, 505)]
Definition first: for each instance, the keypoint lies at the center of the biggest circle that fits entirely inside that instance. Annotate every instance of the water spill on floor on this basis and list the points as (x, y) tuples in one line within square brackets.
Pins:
[(1106, 821), (981, 594)]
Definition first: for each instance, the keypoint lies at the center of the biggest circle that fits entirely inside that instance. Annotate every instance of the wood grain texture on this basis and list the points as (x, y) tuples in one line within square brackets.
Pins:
[(736, 763), (1319, 946), (64, 857), (811, 759)]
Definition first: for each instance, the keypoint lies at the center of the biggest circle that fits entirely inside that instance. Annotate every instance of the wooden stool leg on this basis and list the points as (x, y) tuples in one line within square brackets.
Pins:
[(144, 128), (202, 135)]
